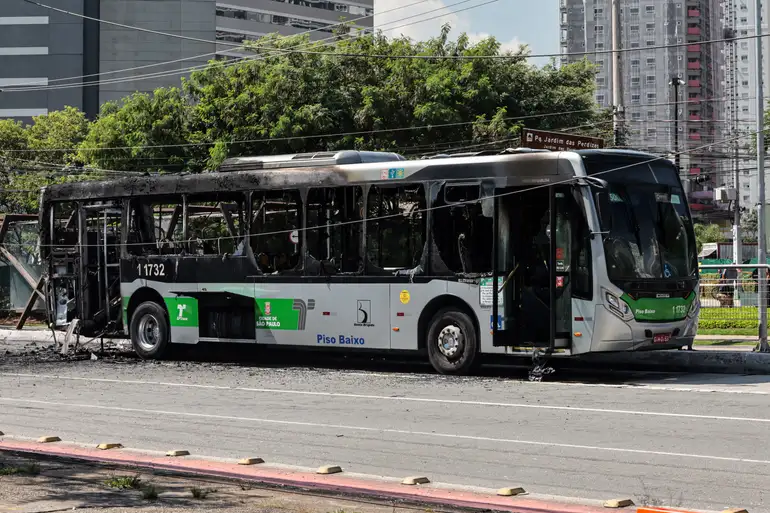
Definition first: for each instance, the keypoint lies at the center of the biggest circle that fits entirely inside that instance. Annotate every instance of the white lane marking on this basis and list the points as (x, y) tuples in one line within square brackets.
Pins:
[(390, 431), (398, 398), (666, 388)]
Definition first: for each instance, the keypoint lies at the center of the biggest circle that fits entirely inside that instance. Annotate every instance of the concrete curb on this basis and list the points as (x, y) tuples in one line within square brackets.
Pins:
[(28, 336), (334, 483), (742, 338), (719, 362)]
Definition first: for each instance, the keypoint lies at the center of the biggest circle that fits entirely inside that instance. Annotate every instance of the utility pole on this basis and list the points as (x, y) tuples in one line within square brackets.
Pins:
[(676, 82), (617, 91), (731, 21), (737, 242), (761, 235)]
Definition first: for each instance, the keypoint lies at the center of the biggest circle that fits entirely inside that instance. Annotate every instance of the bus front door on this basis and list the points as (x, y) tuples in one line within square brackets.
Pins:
[(531, 268)]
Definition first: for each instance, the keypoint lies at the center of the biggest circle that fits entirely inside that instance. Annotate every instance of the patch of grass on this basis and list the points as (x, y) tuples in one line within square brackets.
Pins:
[(150, 492), (728, 332), (29, 469), (124, 482), (728, 319), (201, 493)]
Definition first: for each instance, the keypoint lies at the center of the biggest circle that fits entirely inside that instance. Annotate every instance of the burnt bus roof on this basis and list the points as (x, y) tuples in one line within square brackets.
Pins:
[(305, 159), (618, 152), (510, 168)]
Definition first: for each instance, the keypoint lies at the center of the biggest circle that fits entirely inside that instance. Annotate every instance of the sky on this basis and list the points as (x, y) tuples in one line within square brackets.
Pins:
[(512, 22)]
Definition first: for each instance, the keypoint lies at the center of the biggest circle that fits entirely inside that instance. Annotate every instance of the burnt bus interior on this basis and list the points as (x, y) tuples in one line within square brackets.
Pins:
[(368, 233)]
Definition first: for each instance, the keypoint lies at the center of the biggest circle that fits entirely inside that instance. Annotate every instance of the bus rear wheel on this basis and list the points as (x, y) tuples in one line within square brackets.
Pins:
[(150, 331), (452, 342)]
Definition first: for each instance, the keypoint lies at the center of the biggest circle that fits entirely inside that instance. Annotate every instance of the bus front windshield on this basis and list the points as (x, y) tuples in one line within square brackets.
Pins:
[(651, 234)]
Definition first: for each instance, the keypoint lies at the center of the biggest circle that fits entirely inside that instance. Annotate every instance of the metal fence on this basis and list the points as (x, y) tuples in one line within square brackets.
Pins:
[(729, 303)]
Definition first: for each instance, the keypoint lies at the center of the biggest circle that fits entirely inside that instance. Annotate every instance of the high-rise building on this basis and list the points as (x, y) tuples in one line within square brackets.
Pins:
[(53, 54), (740, 87), (660, 43), (36, 47), (238, 20)]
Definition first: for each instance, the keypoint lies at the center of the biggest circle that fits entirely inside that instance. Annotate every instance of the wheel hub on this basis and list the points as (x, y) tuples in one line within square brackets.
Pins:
[(450, 341), (149, 332)]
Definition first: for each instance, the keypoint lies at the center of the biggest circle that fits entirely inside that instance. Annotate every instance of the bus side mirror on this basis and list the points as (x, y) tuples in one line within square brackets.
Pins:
[(603, 207)]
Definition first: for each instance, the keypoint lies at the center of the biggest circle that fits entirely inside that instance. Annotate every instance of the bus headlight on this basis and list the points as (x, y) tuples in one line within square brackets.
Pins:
[(618, 306)]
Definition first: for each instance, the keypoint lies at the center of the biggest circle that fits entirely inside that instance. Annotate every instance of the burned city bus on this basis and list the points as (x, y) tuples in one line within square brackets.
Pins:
[(456, 256)]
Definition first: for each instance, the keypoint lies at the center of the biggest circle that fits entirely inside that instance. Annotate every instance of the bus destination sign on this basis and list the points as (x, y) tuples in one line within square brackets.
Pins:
[(557, 141)]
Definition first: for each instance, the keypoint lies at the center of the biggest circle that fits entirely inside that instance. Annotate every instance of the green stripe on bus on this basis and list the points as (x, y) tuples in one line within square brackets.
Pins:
[(660, 309), (182, 311), (276, 314)]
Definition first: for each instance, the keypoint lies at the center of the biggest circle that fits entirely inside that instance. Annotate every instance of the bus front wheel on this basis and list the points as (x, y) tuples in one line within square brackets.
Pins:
[(150, 330), (452, 342)]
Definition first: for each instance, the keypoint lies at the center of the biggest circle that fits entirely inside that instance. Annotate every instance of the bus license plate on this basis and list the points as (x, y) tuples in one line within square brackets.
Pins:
[(661, 338)]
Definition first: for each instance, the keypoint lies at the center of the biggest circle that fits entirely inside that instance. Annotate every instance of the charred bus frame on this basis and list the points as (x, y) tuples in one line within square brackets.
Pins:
[(122, 249)]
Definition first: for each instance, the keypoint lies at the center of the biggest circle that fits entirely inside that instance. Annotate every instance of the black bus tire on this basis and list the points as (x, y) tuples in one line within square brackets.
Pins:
[(150, 331), (452, 342)]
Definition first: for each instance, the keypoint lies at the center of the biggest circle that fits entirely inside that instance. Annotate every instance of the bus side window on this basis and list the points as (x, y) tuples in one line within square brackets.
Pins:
[(65, 224), (334, 228), (395, 226), (274, 232), (215, 224), (155, 227), (582, 263), (461, 231)]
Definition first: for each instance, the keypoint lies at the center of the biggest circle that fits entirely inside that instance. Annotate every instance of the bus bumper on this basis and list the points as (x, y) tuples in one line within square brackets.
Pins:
[(614, 334)]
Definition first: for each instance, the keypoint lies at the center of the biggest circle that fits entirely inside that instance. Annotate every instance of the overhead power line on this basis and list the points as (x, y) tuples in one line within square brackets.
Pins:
[(257, 57), (212, 54), (300, 137), (438, 207), (339, 134), (434, 57)]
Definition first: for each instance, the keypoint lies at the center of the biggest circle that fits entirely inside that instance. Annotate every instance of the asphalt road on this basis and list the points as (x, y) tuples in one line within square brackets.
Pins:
[(699, 441)]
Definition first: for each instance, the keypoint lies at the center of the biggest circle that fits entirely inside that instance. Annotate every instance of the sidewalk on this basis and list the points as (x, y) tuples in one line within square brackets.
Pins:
[(722, 348), (61, 486), (741, 343), (747, 338)]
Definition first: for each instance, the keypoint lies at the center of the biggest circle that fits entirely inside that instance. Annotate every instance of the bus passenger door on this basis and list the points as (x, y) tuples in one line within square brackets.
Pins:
[(565, 212), (572, 262), (530, 269)]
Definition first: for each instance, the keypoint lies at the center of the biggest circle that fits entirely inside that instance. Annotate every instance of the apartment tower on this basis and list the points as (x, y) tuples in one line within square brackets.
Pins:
[(63, 60), (660, 47)]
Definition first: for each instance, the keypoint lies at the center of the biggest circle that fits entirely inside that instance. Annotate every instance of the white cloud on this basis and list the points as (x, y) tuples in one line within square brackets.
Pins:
[(423, 20)]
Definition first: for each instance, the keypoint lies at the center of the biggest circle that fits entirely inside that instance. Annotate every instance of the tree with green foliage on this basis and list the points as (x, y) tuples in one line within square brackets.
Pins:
[(285, 101), (364, 93), (143, 132), (707, 233), (749, 225), (36, 155)]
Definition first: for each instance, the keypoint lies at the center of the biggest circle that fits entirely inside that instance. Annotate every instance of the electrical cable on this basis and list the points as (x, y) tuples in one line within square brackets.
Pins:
[(449, 57), (210, 54), (256, 46), (427, 209)]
